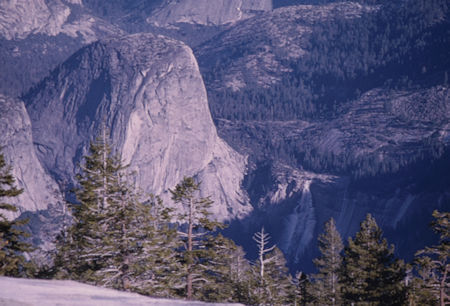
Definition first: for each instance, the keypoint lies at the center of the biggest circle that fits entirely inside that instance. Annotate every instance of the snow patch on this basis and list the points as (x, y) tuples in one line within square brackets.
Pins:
[(19, 291)]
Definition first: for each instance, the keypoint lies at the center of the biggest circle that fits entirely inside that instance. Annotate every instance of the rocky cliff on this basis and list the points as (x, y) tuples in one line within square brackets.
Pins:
[(37, 35), (148, 91), (39, 190), (19, 19), (206, 12)]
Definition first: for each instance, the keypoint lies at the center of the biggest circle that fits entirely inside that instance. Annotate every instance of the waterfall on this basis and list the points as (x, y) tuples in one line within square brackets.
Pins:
[(298, 229)]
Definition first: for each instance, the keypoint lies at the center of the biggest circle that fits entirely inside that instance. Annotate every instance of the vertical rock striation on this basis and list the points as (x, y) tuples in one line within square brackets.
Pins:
[(40, 190), (148, 91)]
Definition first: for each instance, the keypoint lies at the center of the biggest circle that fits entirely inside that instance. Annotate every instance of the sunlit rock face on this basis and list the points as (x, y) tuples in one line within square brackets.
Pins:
[(148, 91), (21, 18), (39, 189), (206, 12)]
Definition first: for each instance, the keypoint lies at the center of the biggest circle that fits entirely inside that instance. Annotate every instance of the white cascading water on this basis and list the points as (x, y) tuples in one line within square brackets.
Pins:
[(299, 226)]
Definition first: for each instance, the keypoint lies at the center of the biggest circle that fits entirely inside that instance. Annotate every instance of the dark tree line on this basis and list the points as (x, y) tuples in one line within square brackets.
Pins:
[(403, 44)]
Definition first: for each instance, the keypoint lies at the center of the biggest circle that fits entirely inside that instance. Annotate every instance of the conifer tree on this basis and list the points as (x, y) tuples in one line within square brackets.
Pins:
[(80, 250), (195, 218), (273, 284), (227, 271), (126, 223), (141, 245), (12, 245), (432, 263), (117, 240), (327, 290), (302, 289), (157, 261), (241, 277), (370, 274)]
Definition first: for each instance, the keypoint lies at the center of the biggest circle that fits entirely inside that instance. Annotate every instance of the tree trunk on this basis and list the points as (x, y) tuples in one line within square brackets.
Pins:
[(105, 156), (190, 225)]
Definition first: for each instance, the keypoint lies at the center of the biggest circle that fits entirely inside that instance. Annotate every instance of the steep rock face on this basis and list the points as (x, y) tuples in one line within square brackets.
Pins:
[(206, 12), (148, 91), (40, 190)]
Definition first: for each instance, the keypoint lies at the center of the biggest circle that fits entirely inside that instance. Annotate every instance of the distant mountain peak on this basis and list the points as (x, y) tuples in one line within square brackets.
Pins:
[(206, 12), (21, 18)]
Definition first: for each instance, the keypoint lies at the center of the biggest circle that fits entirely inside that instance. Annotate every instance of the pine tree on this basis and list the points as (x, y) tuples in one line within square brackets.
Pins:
[(432, 264), (117, 240), (273, 284), (127, 222), (227, 271), (370, 274), (195, 218), (141, 245), (327, 290), (158, 262), (12, 245), (241, 277), (302, 289), (80, 250)]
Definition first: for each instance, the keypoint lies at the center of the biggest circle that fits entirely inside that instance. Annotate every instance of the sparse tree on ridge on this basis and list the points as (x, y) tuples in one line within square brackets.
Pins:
[(12, 246), (262, 240)]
